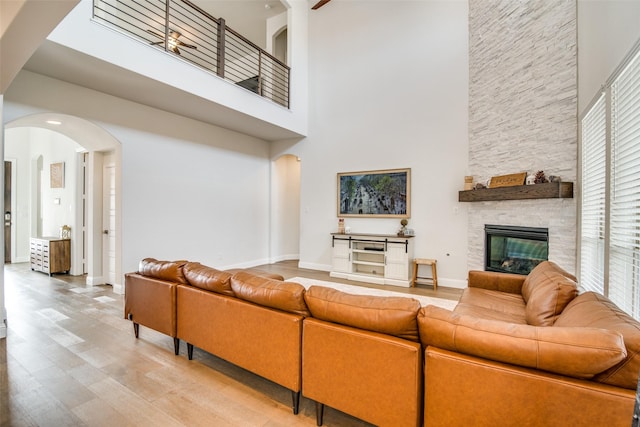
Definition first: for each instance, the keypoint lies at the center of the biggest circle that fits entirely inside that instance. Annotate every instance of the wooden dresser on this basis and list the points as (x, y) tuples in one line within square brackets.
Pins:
[(50, 255)]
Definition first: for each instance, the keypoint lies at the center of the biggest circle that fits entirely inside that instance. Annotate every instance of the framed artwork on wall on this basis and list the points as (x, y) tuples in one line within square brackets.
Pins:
[(57, 175), (381, 193)]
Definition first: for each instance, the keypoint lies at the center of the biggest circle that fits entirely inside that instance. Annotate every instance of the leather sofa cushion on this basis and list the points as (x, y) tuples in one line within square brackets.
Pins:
[(171, 271), (285, 296), (491, 304), (495, 281), (576, 352), (487, 313), (593, 310), (208, 278), (547, 290), (256, 272), (389, 315)]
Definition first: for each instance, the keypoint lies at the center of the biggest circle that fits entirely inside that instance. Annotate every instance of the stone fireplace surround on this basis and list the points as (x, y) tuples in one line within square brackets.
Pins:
[(522, 115)]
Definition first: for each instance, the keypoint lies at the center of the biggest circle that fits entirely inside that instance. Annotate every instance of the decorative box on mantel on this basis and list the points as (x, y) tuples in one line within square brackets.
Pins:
[(549, 190)]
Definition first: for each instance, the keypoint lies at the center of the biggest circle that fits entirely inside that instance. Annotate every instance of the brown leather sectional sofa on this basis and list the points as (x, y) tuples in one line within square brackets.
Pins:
[(529, 351), (516, 350)]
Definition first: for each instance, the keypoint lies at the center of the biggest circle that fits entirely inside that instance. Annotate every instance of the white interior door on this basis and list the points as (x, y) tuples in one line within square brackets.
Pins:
[(109, 221)]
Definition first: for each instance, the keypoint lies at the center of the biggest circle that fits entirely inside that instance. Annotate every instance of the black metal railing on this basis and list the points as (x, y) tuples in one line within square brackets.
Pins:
[(184, 29)]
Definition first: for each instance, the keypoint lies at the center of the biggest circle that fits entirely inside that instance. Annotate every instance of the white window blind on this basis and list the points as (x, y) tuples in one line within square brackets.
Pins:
[(624, 250), (594, 151)]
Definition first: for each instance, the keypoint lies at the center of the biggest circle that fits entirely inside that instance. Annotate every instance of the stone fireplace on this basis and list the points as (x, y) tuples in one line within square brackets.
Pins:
[(522, 116), (514, 249)]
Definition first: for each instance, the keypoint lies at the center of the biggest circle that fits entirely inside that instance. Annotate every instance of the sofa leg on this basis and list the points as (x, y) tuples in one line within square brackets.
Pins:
[(176, 345), (319, 413), (190, 351), (296, 401), (136, 326)]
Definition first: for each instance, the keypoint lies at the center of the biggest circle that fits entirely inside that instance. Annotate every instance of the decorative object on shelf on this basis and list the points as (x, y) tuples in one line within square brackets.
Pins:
[(384, 193), (507, 180), (57, 175), (540, 178), (479, 186), (65, 232), (468, 182), (554, 178), (341, 225), (403, 227), (531, 179)]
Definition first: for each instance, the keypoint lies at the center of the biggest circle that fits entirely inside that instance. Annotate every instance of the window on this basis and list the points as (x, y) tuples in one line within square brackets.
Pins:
[(624, 262), (610, 213), (592, 230)]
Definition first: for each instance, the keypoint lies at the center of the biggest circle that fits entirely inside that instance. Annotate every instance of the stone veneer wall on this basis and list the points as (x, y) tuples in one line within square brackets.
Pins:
[(522, 114)]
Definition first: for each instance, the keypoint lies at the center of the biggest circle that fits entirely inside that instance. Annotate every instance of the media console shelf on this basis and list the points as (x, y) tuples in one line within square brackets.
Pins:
[(550, 190), (374, 258)]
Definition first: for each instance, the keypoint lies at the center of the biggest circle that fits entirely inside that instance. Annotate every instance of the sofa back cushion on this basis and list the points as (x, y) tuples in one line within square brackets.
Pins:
[(593, 310), (208, 278), (285, 296), (389, 315), (576, 352), (171, 271), (546, 291)]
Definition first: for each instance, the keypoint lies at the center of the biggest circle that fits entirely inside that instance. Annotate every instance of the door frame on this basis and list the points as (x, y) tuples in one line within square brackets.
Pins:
[(13, 209)]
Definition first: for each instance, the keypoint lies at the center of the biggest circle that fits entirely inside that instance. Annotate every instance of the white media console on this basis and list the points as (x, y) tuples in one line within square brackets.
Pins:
[(375, 258)]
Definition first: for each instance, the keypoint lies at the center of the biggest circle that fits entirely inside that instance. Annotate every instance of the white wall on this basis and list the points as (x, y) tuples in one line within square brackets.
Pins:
[(189, 190), (607, 29), (388, 86)]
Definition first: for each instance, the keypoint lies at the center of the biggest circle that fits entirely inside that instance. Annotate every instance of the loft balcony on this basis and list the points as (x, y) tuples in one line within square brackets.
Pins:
[(100, 56), (181, 28)]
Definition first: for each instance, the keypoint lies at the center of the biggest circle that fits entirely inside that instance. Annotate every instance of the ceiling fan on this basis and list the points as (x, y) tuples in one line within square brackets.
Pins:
[(173, 41), (320, 4)]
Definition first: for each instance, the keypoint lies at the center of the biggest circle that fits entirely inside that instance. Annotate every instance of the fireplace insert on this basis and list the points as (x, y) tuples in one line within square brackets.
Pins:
[(512, 249)]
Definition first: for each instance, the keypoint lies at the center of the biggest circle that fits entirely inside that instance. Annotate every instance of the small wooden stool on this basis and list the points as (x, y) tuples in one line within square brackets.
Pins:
[(417, 262)]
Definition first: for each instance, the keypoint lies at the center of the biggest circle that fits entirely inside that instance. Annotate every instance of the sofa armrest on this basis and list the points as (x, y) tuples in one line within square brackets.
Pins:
[(575, 352), (150, 302), (494, 281)]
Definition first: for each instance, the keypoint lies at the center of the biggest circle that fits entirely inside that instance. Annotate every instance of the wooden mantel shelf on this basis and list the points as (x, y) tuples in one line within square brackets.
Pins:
[(550, 190)]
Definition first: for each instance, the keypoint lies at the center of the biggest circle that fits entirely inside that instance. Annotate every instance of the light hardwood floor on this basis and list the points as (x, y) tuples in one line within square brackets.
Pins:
[(71, 359)]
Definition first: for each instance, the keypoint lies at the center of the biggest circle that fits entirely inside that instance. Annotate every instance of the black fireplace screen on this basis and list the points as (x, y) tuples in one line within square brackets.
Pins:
[(513, 249)]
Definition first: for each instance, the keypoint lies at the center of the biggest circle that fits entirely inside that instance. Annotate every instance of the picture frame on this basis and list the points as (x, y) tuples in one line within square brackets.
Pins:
[(57, 175), (379, 193)]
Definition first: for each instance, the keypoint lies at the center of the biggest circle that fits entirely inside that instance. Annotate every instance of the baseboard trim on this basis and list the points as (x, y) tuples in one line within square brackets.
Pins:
[(280, 258), (95, 280), (452, 283), (118, 289), (312, 266)]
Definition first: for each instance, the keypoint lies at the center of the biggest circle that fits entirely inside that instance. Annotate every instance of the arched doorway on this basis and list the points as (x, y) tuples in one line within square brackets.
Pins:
[(86, 201), (285, 208)]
